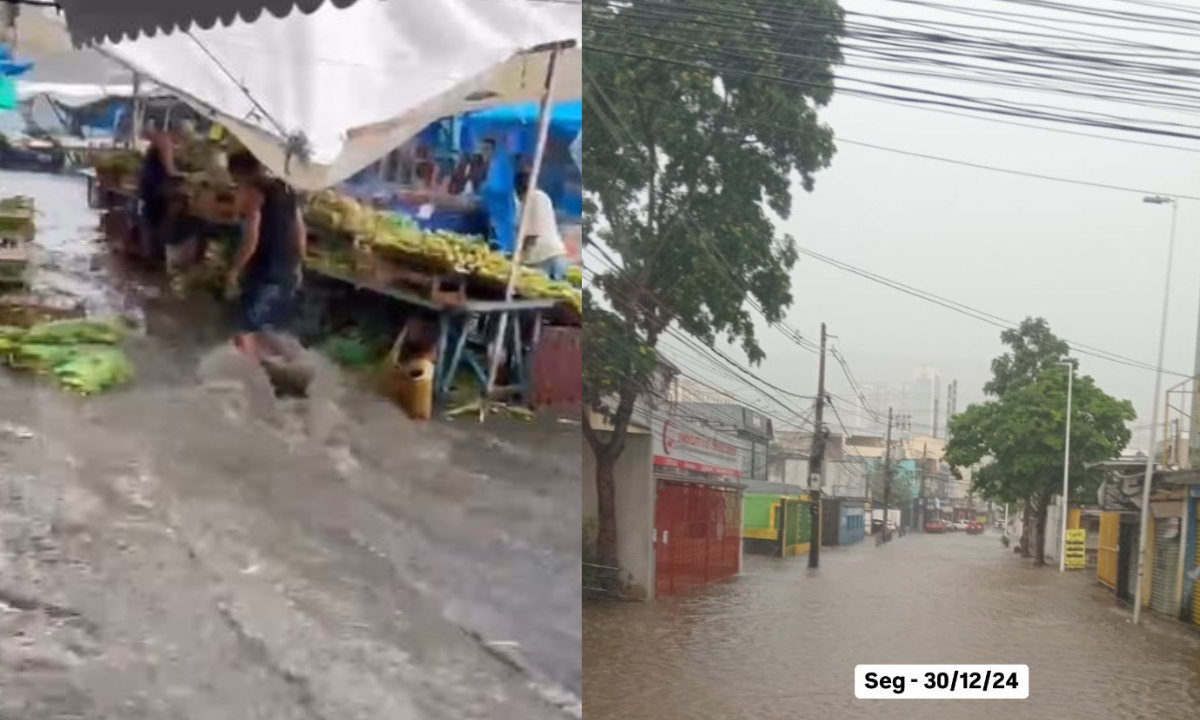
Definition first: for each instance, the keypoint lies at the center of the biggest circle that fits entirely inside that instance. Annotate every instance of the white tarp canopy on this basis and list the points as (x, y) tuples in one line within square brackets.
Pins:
[(343, 87), (95, 21)]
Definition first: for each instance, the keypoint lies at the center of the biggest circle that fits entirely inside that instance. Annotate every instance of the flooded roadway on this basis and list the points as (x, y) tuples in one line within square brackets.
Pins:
[(169, 552), (781, 643)]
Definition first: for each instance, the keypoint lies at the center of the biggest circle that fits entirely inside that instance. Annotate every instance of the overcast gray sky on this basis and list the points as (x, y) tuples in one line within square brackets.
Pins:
[(1091, 261)]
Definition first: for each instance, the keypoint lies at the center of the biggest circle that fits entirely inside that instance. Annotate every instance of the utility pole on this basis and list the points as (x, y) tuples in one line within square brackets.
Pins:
[(816, 463), (921, 495), (887, 476)]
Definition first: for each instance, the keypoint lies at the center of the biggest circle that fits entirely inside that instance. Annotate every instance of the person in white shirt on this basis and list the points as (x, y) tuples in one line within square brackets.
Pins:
[(543, 248)]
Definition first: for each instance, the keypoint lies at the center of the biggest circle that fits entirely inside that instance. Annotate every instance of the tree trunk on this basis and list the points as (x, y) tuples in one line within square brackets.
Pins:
[(1042, 508), (606, 506), (1026, 530)]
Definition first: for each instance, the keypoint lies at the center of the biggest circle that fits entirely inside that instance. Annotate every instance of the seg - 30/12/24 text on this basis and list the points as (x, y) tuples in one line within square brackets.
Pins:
[(942, 681)]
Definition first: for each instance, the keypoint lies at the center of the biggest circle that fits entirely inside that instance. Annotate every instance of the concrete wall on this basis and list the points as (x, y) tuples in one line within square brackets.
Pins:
[(635, 509), (841, 479), (1053, 532)]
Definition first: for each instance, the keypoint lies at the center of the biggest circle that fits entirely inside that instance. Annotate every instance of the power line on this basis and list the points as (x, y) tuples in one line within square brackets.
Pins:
[(978, 314), (757, 20), (953, 161)]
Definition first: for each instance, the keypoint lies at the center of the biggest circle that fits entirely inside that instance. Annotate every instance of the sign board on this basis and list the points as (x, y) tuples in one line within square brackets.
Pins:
[(1076, 554), (755, 422), (682, 445)]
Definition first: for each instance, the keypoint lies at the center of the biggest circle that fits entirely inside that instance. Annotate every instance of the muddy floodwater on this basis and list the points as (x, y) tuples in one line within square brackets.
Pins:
[(781, 642), (183, 548)]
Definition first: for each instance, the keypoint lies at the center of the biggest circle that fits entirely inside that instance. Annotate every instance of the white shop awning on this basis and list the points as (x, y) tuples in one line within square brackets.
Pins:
[(343, 87), (94, 21)]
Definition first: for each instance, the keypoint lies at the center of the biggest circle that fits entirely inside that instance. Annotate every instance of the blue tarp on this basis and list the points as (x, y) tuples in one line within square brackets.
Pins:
[(566, 119), (515, 126), (10, 67)]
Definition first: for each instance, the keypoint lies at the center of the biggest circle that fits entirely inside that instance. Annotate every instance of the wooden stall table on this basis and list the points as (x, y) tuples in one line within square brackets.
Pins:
[(455, 323)]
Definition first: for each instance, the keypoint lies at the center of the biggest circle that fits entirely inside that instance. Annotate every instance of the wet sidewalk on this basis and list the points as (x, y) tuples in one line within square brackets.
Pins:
[(167, 552)]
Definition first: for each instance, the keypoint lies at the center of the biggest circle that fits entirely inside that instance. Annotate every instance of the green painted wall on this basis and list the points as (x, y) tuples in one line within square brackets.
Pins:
[(756, 515), (803, 527), (756, 510)]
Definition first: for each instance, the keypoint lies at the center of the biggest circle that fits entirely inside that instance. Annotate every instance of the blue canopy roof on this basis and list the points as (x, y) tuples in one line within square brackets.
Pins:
[(10, 67), (565, 118)]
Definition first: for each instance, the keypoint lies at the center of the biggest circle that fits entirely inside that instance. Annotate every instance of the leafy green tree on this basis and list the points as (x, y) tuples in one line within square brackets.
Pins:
[(1022, 432), (690, 146), (1032, 349)]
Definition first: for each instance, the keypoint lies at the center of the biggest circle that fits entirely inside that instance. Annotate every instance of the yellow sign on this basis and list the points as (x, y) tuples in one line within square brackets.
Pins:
[(1075, 552)]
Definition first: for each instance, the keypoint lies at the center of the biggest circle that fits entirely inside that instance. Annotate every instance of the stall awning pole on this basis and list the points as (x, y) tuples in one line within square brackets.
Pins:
[(135, 122), (543, 132)]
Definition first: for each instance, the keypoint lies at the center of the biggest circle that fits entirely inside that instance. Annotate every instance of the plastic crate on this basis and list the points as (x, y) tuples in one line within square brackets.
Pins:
[(557, 370)]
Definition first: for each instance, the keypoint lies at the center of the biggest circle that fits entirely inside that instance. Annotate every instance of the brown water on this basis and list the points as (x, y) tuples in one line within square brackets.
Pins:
[(781, 642), (169, 552)]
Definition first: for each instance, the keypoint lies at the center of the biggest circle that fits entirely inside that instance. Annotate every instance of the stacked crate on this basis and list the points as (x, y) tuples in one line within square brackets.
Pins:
[(16, 232)]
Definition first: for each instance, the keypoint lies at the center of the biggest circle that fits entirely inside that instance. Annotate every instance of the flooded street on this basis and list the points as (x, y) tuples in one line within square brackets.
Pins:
[(779, 642), (176, 551)]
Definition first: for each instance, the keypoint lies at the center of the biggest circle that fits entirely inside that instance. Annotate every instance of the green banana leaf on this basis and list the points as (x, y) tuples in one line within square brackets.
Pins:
[(73, 332), (95, 370)]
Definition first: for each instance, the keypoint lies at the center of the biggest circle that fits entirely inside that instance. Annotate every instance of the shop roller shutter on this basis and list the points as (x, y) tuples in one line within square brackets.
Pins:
[(1196, 584), (1164, 583)]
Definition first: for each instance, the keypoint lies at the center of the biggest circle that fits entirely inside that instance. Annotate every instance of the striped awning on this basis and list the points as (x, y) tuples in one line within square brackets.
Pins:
[(96, 21)]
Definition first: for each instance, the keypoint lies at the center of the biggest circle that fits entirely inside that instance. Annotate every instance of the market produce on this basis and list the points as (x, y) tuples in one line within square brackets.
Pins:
[(40, 358), (575, 276), (123, 163), (342, 214), (82, 355), (17, 216), (400, 238), (10, 340), (94, 369), (73, 332)]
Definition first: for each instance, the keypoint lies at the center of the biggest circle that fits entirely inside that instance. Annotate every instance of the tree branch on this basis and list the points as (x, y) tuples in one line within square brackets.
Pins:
[(660, 237)]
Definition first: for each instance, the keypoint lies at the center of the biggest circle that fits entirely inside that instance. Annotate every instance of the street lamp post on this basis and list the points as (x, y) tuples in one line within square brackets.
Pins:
[(1062, 538), (1158, 376)]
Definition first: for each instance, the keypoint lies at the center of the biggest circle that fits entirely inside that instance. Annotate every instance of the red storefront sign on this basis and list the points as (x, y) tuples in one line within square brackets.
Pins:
[(684, 446)]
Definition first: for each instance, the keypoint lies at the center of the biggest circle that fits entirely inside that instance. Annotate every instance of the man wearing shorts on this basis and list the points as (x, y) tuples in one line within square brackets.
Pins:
[(266, 270)]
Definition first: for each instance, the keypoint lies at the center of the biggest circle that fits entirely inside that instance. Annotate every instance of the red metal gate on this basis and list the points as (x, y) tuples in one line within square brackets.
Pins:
[(698, 538)]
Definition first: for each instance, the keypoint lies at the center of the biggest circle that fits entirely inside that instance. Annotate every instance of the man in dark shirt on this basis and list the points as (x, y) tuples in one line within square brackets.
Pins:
[(154, 193), (267, 268)]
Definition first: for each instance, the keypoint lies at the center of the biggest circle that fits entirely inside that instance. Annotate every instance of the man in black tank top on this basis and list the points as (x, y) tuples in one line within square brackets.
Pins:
[(266, 270)]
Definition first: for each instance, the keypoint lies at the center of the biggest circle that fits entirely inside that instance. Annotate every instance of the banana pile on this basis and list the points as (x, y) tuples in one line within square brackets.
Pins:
[(123, 163), (17, 216), (401, 238)]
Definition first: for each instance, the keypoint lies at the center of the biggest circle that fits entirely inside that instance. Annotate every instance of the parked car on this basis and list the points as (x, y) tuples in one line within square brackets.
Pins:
[(935, 526)]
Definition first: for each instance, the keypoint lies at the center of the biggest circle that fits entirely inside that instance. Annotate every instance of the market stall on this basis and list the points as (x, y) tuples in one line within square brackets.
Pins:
[(455, 281), (382, 71), (488, 311)]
